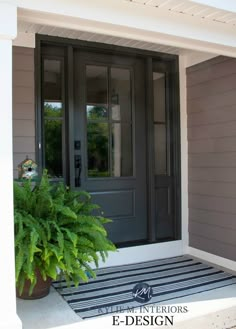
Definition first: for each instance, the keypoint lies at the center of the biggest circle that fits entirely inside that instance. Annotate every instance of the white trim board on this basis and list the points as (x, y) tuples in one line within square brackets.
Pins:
[(132, 15), (184, 151), (132, 21), (196, 57), (211, 258), (144, 253), (24, 40)]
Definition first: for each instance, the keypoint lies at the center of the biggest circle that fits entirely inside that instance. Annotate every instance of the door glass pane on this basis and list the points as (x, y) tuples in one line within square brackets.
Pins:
[(109, 124), (121, 94), (53, 117), (97, 91), (52, 84), (95, 112), (53, 147), (159, 97), (53, 109), (97, 149), (160, 149), (159, 105), (122, 159)]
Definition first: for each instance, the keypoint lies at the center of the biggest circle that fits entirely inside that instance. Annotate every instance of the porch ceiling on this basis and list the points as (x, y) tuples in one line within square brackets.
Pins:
[(33, 28), (192, 8), (170, 26)]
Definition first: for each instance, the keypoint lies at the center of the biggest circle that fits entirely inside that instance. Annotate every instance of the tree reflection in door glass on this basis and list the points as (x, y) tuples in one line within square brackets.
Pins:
[(97, 139), (96, 112), (109, 121), (53, 138)]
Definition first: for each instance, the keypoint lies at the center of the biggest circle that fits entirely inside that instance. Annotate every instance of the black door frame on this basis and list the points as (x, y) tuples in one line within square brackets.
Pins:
[(66, 47)]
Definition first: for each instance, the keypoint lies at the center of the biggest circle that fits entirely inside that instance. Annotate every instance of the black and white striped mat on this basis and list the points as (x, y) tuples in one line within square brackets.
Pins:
[(169, 278)]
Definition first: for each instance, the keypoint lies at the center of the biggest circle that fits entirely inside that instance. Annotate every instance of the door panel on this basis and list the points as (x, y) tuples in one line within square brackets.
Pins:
[(109, 124)]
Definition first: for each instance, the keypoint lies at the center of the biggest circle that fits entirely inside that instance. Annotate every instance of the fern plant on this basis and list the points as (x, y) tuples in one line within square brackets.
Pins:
[(56, 230)]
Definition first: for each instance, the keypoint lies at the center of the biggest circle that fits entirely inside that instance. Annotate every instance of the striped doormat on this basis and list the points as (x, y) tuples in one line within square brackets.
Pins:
[(169, 278)]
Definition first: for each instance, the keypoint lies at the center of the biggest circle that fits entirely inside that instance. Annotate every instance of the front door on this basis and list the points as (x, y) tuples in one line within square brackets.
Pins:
[(110, 140), (108, 123)]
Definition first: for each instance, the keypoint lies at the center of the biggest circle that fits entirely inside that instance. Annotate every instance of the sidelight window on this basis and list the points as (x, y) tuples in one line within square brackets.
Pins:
[(160, 126), (53, 117)]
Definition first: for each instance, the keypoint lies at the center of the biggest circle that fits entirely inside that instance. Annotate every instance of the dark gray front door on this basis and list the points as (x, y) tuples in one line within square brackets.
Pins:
[(110, 139)]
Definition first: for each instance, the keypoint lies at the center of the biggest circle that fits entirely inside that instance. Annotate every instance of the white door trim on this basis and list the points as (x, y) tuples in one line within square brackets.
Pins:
[(144, 253), (213, 259)]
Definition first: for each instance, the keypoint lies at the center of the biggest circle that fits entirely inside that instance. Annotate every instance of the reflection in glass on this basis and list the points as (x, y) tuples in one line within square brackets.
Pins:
[(53, 147), (121, 94), (122, 150), (159, 97), (97, 148), (96, 112), (97, 85), (160, 146), (109, 124), (52, 80), (160, 149), (53, 109), (53, 116)]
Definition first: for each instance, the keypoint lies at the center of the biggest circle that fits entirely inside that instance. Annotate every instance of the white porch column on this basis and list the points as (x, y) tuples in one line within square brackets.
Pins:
[(8, 30)]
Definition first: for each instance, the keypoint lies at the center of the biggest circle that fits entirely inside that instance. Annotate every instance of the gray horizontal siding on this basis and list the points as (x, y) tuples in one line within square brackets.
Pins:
[(212, 87), (208, 117), (214, 145), (221, 204), (212, 218), (23, 95), (209, 70), (217, 189), (23, 112), (211, 104), (212, 160), (23, 105), (218, 233), (23, 59), (219, 130), (213, 246), (223, 175)]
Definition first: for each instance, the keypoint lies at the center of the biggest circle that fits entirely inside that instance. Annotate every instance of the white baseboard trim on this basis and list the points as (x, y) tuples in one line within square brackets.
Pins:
[(211, 258), (144, 253)]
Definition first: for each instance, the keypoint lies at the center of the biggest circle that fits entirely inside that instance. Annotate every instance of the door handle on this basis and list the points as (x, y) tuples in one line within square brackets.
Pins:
[(78, 169)]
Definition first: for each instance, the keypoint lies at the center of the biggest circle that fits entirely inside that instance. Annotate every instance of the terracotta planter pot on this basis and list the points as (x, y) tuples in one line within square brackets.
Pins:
[(40, 290)]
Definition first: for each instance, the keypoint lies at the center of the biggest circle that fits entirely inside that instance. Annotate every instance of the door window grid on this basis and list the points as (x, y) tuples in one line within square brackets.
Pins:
[(109, 113)]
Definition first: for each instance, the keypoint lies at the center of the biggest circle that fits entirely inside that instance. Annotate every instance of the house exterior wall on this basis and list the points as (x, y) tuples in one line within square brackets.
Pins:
[(211, 109), (23, 105)]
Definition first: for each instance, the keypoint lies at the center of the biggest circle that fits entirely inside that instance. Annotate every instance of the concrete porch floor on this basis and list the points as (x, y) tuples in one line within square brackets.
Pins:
[(211, 309)]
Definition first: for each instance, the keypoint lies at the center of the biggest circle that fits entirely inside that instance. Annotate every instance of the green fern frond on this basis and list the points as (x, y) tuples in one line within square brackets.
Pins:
[(57, 229)]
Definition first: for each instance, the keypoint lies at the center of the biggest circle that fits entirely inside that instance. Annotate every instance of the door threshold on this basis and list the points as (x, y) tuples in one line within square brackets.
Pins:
[(141, 243), (142, 253)]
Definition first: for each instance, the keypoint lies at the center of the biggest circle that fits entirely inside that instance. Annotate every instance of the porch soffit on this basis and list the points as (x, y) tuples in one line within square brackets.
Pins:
[(169, 26), (202, 9), (31, 28)]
